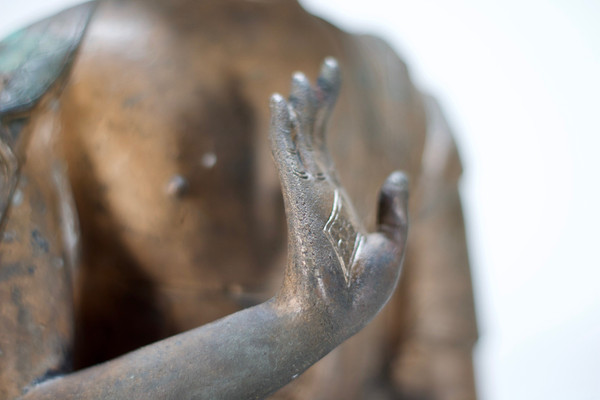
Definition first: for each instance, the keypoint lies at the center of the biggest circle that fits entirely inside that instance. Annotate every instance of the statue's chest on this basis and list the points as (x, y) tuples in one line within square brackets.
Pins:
[(178, 195)]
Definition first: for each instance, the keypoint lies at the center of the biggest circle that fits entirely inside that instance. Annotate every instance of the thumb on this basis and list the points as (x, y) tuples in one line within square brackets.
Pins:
[(392, 216)]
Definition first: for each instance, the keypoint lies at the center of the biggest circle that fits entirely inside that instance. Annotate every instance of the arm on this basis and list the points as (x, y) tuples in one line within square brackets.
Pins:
[(246, 355), (337, 278)]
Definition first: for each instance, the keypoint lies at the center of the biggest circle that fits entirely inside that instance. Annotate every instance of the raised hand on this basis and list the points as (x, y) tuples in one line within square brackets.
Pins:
[(338, 277), (335, 269)]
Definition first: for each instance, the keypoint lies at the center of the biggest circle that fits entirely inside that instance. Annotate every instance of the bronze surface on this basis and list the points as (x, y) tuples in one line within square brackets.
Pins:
[(149, 212)]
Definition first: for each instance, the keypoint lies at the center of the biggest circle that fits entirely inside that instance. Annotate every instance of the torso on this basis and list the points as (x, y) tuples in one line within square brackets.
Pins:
[(166, 94)]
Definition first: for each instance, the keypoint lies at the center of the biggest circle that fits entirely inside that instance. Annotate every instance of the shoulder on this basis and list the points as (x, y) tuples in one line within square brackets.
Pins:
[(441, 160), (33, 61), (385, 83), (389, 66), (34, 58)]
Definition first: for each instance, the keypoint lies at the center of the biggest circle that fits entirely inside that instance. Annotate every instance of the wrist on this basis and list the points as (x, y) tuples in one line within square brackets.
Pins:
[(318, 319)]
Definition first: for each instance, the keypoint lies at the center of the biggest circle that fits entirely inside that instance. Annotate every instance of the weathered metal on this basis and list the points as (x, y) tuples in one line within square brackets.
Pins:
[(145, 210)]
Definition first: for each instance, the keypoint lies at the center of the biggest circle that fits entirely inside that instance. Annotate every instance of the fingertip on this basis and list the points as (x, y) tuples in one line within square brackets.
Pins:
[(396, 188), (393, 205), (280, 121), (276, 101), (330, 62), (330, 75), (396, 182), (330, 67), (279, 108), (300, 94), (299, 79)]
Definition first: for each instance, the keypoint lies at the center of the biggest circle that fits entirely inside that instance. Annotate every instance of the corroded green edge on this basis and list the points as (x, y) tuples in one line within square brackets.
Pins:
[(32, 60)]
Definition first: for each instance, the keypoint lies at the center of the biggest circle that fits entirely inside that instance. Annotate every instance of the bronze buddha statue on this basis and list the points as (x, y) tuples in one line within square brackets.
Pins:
[(151, 248)]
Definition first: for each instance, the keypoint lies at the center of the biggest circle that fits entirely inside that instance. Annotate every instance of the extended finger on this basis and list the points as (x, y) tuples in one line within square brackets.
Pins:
[(328, 87), (282, 146), (303, 101), (303, 106), (392, 216)]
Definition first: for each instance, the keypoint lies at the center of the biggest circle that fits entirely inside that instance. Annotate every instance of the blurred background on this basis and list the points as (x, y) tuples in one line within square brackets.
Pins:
[(520, 83)]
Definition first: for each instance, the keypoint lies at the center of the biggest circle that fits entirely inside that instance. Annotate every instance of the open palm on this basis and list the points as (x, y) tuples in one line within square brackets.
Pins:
[(334, 266)]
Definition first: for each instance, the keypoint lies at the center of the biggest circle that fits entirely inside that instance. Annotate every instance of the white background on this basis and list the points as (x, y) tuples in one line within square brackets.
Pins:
[(519, 81)]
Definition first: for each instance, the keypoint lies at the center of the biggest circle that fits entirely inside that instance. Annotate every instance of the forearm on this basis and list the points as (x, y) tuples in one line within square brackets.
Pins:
[(248, 355)]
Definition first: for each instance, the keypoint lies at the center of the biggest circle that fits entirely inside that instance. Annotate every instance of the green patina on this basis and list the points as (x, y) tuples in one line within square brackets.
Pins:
[(34, 58), (32, 61)]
